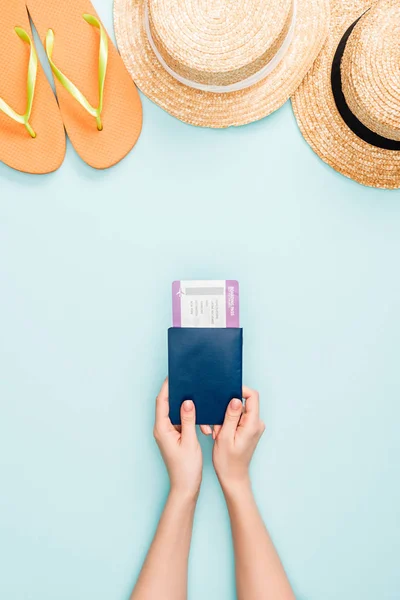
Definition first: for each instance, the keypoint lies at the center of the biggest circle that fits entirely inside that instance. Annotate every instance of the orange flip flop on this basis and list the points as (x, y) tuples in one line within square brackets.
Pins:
[(32, 136), (98, 100)]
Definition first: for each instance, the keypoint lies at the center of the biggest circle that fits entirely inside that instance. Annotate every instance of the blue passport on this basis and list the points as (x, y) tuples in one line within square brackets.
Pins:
[(204, 365)]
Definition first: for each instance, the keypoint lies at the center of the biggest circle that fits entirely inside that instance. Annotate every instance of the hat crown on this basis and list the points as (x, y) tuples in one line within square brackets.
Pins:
[(371, 69), (218, 42)]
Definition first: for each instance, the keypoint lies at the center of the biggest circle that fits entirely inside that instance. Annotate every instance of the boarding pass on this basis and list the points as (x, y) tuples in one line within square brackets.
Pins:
[(208, 303)]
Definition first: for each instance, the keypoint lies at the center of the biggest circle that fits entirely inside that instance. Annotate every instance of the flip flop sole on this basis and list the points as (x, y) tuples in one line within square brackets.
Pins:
[(44, 153), (76, 54)]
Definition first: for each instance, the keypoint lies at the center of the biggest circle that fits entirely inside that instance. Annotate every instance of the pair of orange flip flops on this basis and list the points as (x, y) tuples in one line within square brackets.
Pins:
[(98, 103)]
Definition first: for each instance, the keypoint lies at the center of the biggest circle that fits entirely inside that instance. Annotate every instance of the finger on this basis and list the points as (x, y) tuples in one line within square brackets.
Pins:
[(162, 408), (249, 394), (216, 430), (252, 404), (206, 429), (251, 415), (188, 420), (232, 417)]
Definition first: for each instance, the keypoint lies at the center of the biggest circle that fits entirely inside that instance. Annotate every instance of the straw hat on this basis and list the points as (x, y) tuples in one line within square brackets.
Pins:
[(217, 63), (348, 106)]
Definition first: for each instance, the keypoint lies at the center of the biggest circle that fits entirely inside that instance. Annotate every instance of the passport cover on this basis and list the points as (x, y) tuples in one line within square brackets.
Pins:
[(204, 365)]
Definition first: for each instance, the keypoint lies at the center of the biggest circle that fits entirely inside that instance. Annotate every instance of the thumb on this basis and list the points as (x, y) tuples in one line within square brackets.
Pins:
[(232, 417), (188, 420)]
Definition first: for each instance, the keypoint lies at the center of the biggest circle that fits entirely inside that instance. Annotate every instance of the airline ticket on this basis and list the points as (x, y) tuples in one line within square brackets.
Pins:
[(208, 303)]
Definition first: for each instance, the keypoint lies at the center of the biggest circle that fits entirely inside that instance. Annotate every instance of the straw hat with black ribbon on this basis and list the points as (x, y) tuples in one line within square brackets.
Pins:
[(348, 106), (216, 63)]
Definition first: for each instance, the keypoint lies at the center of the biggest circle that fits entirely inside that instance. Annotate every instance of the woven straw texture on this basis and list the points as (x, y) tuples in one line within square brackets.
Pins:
[(321, 123), (371, 69), (219, 42)]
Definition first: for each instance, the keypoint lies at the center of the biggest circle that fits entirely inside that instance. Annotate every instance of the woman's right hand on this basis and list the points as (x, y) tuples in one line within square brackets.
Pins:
[(179, 446), (236, 440)]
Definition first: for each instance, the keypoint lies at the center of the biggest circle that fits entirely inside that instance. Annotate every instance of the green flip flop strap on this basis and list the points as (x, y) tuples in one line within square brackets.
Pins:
[(72, 89), (31, 82)]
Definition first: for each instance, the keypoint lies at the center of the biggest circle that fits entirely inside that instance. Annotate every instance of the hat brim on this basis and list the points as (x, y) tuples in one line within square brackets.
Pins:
[(321, 123), (209, 109)]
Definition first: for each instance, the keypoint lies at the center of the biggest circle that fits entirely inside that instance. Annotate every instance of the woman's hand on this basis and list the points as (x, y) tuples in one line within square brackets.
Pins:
[(165, 570), (179, 446), (259, 571), (236, 440)]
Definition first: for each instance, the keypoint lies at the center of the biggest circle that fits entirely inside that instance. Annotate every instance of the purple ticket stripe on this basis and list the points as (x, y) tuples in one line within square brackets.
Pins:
[(232, 303), (176, 304)]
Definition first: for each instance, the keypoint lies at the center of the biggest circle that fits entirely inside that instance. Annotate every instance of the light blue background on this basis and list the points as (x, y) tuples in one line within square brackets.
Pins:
[(87, 259)]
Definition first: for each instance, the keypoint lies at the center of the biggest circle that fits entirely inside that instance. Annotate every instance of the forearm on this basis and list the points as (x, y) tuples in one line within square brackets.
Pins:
[(259, 571), (164, 573)]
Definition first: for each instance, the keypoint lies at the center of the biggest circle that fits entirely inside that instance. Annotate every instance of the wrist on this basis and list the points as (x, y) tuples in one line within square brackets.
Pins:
[(184, 495), (236, 488)]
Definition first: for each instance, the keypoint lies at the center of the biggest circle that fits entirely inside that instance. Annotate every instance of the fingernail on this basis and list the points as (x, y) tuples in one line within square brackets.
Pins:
[(236, 404), (187, 405)]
